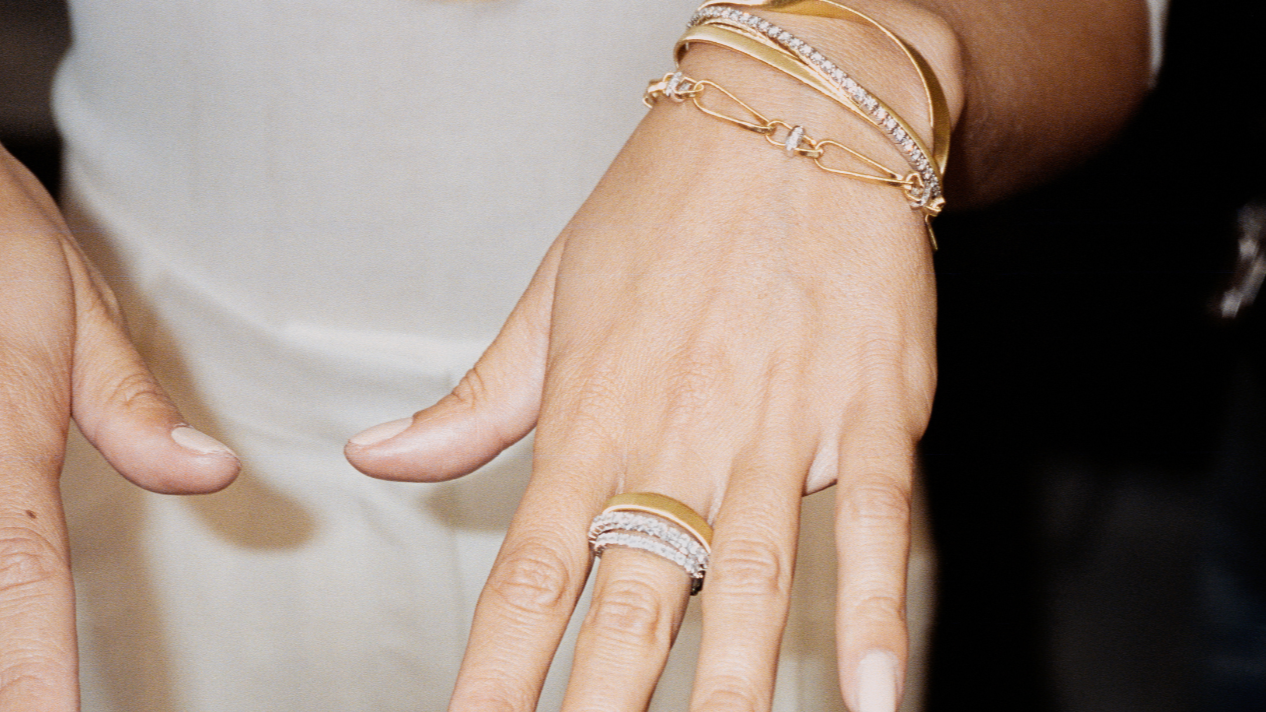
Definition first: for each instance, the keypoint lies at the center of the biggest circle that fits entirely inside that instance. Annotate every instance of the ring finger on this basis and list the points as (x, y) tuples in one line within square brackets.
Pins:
[(654, 550), (639, 600)]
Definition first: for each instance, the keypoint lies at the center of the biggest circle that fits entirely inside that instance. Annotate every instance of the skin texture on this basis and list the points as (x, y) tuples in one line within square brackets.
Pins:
[(719, 323), (64, 353), (734, 328)]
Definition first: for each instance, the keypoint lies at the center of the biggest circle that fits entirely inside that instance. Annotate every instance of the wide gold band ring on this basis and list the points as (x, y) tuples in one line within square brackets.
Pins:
[(666, 507), (657, 524)]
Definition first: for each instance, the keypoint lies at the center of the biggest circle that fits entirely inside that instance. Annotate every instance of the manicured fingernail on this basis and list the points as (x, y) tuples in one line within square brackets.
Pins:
[(877, 682), (381, 432), (199, 442)]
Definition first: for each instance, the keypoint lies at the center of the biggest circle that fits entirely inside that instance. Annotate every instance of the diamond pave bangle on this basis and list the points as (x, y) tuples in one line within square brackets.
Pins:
[(928, 197)]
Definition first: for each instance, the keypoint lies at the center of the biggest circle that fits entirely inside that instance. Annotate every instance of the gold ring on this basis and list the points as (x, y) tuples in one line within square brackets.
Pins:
[(666, 507)]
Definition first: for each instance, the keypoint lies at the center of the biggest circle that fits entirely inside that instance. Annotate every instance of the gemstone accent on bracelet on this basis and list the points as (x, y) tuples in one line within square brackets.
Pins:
[(921, 196), (670, 89), (793, 140)]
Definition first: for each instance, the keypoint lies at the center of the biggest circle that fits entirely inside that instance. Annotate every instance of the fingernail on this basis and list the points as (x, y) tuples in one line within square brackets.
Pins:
[(381, 432), (877, 682), (199, 442)]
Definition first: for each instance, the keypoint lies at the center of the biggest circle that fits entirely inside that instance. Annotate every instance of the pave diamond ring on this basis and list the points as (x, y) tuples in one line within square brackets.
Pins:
[(658, 525)]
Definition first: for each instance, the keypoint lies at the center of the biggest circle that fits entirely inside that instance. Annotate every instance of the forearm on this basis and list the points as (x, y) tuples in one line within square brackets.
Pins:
[(1046, 84), (1031, 86)]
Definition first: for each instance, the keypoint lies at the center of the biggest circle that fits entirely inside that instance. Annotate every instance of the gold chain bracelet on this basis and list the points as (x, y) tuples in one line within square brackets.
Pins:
[(727, 23), (792, 138)]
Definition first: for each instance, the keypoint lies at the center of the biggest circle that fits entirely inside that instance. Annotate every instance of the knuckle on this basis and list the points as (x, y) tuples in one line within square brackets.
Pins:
[(28, 562), (880, 503), (882, 352), (28, 678), (631, 611), (732, 695), (474, 393), (109, 303), (592, 388), (101, 303), (137, 389), (584, 399), (884, 608), (749, 566), (533, 579), (472, 389), (491, 697)]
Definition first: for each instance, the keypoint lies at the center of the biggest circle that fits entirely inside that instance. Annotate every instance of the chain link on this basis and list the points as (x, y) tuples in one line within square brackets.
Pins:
[(792, 138)]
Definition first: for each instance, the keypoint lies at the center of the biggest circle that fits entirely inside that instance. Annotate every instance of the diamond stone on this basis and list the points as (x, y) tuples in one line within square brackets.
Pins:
[(931, 186), (692, 567), (793, 140), (652, 526), (670, 89)]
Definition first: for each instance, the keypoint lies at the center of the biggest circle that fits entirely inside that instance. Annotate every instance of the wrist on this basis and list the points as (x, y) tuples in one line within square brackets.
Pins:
[(823, 81), (903, 55)]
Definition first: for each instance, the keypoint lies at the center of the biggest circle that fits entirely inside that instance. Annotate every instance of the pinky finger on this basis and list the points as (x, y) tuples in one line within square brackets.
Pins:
[(873, 539)]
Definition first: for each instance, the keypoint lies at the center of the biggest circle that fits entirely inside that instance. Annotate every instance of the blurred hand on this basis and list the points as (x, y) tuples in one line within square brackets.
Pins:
[(64, 352)]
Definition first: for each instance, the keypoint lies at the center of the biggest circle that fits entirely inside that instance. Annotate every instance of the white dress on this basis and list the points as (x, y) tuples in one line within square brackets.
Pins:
[(318, 213)]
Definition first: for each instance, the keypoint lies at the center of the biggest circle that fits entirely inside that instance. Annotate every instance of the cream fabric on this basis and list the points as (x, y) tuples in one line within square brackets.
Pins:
[(318, 213)]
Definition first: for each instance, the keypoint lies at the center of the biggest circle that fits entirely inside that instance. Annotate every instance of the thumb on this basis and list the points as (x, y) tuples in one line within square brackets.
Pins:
[(123, 411), (494, 406)]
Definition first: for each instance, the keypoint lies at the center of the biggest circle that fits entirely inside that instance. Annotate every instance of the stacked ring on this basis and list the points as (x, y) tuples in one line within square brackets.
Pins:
[(656, 524)]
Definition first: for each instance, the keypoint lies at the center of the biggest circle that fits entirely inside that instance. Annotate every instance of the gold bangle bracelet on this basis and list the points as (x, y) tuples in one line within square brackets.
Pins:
[(719, 22), (937, 106)]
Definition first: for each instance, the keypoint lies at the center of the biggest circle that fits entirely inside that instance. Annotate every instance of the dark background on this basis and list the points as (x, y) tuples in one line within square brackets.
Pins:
[(1095, 459), (33, 34)]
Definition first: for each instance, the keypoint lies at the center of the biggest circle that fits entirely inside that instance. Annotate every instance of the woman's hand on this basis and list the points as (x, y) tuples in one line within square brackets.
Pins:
[(729, 327), (733, 328), (64, 352)]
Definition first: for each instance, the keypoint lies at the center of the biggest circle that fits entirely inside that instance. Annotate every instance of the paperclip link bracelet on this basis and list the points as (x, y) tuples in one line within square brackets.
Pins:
[(791, 138), (728, 24), (926, 197)]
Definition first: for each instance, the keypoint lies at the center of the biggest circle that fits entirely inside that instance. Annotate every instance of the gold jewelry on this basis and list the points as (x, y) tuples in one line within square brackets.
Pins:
[(667, 508), (656, 524), (792, 138), (718, 22)]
